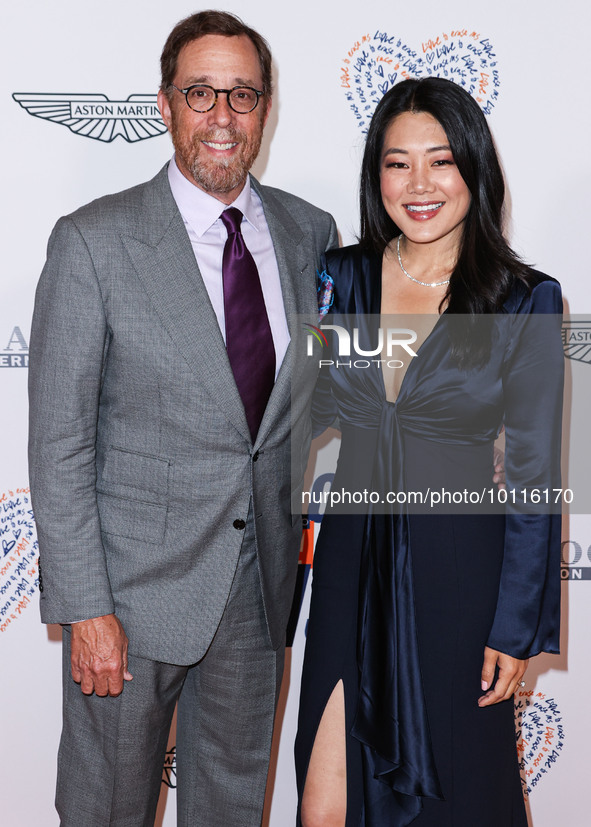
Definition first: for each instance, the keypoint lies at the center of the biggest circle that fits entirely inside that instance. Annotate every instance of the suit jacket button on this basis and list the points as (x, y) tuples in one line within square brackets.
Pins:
[(255, 456), (239, 524)]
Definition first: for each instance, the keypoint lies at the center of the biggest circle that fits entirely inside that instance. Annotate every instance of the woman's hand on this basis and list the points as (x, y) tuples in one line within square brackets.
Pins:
[(499, 467), (511, 671)]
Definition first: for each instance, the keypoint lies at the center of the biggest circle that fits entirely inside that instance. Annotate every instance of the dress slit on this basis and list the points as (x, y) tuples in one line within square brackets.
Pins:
[(334, 659)]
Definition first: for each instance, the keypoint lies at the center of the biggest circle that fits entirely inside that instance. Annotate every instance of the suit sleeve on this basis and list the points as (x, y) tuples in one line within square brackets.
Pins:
[(69, 341), (527, 617), (333, 236)]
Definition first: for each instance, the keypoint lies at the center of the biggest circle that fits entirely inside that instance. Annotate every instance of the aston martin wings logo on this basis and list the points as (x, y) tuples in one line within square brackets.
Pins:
[(95, 116), (576, 339)]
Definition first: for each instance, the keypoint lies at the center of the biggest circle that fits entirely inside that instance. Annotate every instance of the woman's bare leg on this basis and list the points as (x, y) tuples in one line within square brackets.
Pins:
[(324, 802)]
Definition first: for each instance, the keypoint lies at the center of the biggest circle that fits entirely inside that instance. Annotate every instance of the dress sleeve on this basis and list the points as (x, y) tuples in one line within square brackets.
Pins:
[(527, 617), (324, 406)]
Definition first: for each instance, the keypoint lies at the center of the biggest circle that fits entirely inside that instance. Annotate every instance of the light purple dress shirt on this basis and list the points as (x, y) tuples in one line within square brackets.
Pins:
[(201, 214)]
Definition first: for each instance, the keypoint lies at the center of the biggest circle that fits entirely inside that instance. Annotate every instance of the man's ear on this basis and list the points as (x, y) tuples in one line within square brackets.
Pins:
[(268, 102), (164, 107)]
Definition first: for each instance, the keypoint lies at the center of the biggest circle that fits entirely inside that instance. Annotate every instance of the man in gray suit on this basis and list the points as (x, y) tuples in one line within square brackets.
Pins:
[(160, 455)]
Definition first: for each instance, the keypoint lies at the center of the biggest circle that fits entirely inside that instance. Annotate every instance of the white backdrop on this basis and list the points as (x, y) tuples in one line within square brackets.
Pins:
[(528, 68)]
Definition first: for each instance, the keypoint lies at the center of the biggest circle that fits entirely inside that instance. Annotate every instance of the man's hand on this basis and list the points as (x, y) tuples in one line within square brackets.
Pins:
[(511, 670), (99, 655)]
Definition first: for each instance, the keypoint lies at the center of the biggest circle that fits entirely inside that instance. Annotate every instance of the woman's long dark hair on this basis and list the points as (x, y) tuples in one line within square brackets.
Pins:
[(486, 267)]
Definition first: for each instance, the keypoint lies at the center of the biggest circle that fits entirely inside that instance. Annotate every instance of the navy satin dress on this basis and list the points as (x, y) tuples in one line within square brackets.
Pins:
[(404, 604)]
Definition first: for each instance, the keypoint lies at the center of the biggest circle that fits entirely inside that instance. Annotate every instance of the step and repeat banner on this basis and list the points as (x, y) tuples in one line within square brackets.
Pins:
[(80, 120)]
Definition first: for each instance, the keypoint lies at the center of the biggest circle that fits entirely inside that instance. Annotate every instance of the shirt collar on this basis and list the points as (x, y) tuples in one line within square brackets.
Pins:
[(200, 210)]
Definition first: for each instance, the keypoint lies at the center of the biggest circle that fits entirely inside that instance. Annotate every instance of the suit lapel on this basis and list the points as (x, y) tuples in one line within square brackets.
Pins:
[(164, 261), (163, 258), (297, 287)]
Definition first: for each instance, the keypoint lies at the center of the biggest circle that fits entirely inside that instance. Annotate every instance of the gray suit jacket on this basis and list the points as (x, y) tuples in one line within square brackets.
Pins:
[(142, 467)]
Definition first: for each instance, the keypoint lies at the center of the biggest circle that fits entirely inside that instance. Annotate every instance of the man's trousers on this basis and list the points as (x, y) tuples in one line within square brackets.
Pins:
[(112, 749)]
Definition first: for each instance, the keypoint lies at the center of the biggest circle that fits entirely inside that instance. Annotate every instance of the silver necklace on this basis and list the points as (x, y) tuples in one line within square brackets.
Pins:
[(412, 278)]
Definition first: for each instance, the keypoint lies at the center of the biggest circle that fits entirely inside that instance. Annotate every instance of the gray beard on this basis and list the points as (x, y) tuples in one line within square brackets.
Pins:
[(222, 178)]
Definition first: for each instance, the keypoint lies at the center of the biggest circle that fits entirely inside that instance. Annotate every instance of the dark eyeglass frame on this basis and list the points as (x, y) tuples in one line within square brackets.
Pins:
[(216, 92)]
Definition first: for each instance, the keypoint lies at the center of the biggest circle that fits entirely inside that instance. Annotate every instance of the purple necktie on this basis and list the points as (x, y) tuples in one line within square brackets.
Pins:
[(249, 342)]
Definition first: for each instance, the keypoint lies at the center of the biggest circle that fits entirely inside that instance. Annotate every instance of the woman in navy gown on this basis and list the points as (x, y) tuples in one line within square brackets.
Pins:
[(421, 624)]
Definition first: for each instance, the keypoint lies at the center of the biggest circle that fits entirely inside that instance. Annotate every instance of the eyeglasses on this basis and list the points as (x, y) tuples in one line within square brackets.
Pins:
[(202, 98)]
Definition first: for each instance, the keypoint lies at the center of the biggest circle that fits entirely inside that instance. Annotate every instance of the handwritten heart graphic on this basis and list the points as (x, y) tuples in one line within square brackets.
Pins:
[(540, 736), (376, 62), (19, 555)]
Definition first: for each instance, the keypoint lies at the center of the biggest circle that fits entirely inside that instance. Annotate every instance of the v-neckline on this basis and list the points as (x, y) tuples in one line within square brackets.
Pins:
[(376, 310)]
